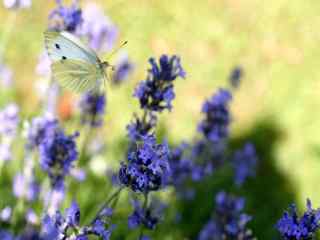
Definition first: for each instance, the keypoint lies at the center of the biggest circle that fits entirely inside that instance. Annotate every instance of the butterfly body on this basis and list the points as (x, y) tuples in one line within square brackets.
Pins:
[(74, 65)]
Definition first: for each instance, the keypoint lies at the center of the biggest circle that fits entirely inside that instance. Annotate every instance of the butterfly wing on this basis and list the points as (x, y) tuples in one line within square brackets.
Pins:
[(77, 75), (75, 66), (63, 46)]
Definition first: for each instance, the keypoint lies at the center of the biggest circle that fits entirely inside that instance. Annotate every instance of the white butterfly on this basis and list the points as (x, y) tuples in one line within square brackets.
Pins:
[(74, 65)]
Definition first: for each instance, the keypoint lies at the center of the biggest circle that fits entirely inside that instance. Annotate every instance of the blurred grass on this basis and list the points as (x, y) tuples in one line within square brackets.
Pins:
[(275, 41)]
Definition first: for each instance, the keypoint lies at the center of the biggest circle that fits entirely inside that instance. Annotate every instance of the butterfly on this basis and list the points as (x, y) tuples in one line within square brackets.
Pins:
[(74, 65)]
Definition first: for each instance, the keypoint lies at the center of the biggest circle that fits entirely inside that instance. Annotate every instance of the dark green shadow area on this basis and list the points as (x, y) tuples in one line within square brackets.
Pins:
[(270, 193), (267, 195)]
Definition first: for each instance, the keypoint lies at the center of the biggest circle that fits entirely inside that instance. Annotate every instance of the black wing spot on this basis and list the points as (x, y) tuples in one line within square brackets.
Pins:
[(57, 46), (64, 57)]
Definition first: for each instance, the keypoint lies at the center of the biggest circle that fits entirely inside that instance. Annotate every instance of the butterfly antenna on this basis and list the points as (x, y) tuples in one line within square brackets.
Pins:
[(117, 49)]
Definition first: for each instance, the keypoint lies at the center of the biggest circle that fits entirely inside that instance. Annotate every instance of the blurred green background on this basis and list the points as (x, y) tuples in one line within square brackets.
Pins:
[(277, 105)]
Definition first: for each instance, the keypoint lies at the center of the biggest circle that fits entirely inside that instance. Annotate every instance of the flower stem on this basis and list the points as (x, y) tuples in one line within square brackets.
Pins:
[(106, 204)]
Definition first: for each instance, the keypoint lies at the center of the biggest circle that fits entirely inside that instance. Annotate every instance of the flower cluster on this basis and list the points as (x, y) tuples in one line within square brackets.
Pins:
[(291, 226), (98, 29), (199, 159), (147, 168), (229, 221), (180, 165), (244, 163), (156, 92), (6, 76), (33, 210), (141, 127), (9, 120), (235, 76), (25, 188), (141, 216), (92, 108), (59, 226), (40, 128), (183, 169), (57, 154), (215, 126), (65, 18), (122, 70)]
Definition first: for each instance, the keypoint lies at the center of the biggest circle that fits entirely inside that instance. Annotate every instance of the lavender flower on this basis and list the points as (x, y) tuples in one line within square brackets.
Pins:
[(41, 128), (215, 125), (6, 76), (144, 237), (92, 108), (54, 197), (50, 226), (43, 66), (57, 154), (66, 226), (229, 221), (73, 215), (9, 120), (244, 163), (5, 214), (209, 231), (291, 226), (17, 4), (235, 76), (4, 235), (98, 28), (148, 216), (25, 188), (141, 127), (156, 93), (122, 70), (183, 170), (65, 18), (31, 217), (180, 165), (147, 168)]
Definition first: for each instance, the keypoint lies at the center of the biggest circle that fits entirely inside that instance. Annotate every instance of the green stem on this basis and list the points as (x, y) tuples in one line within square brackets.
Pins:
[(144, 117), (1, 167), (18, 213), (106, 204)]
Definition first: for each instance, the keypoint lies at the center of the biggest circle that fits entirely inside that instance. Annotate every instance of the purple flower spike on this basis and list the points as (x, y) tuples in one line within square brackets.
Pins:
[(65, 18), (92, 109), (292, 227), (147, 168), (235, 76), (123, 69), (73, 214), (6, 76), (98, 28), (229, 221), (215, 126), (156, 93), (244, 163), (57, 154)]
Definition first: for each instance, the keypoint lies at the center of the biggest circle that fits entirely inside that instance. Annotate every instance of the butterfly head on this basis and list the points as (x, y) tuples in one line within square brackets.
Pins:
[(105, 65)]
